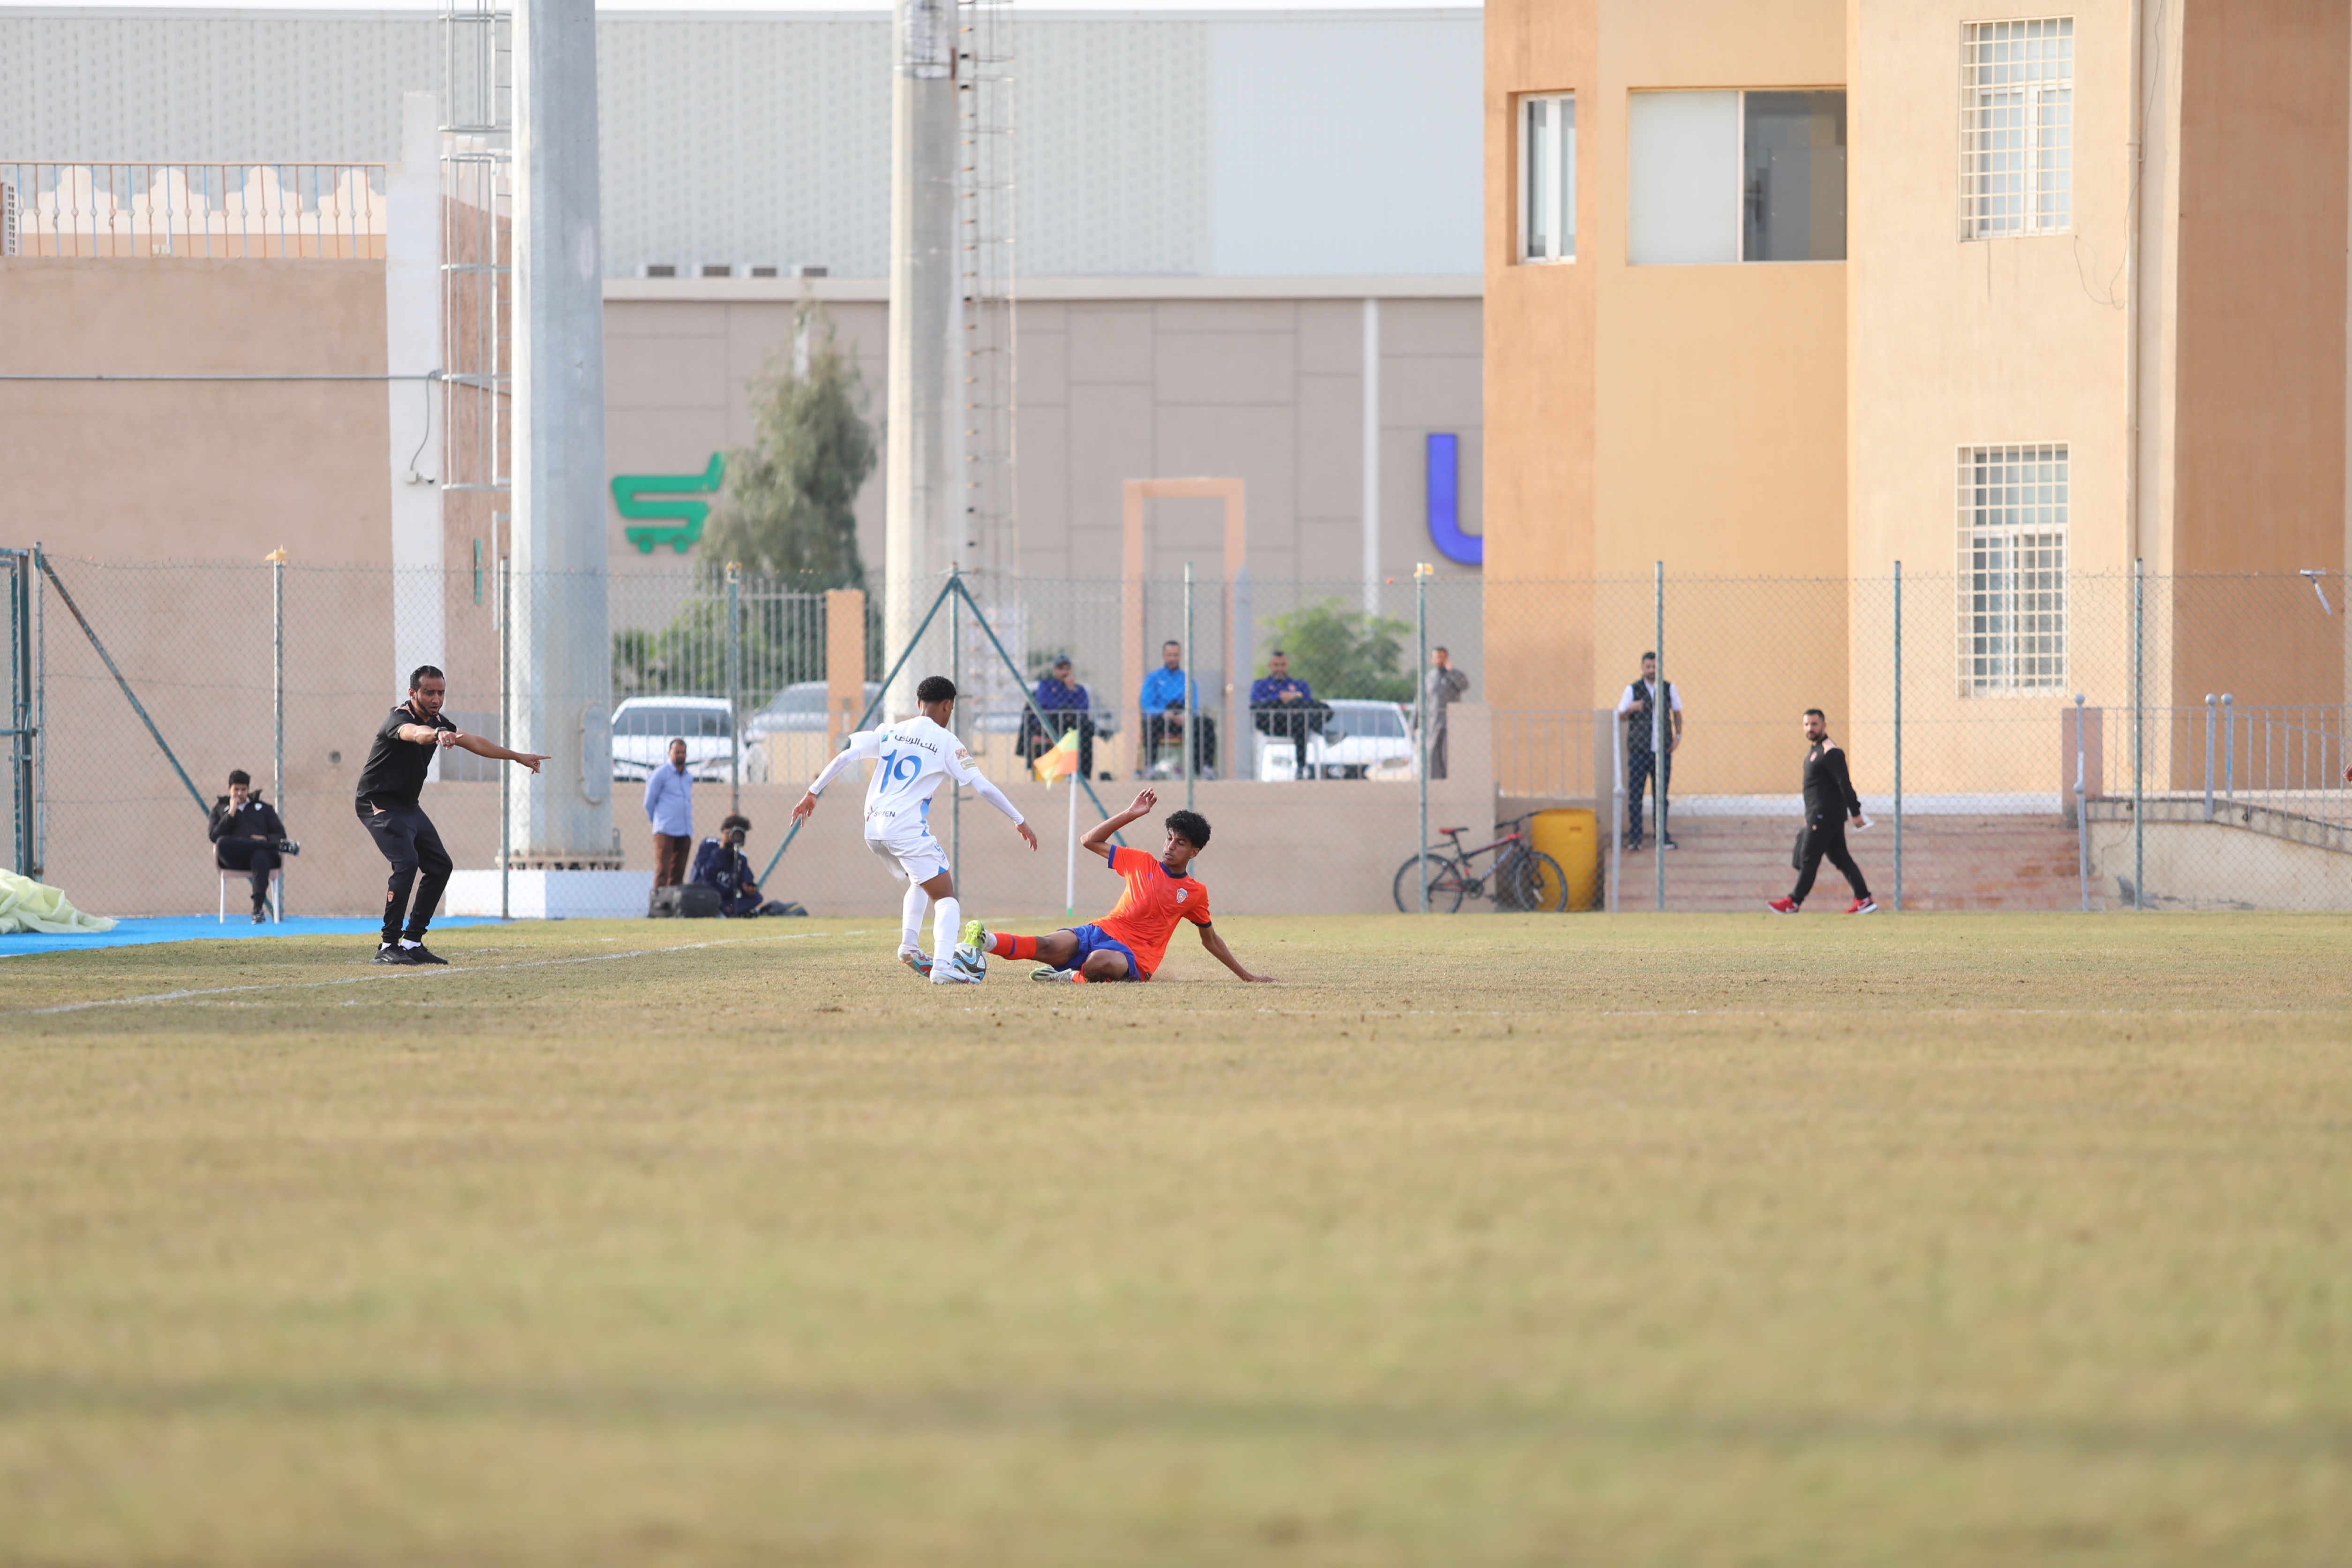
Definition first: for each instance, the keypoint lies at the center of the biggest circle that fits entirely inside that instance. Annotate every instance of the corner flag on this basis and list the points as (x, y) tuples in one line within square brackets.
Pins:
[(1061, 761)]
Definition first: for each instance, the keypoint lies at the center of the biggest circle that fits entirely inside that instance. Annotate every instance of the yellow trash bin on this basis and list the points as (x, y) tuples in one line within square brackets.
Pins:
[(1572, 838)]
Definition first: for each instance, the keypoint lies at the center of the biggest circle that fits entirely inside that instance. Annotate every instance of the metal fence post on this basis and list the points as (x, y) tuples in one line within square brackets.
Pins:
[(2209, 756), (2230, 747), (1898, 737), (40, 720), (20, 710), (734, 687), (955, 675), (2082, 808), (1617, 799), (1191, 749), (2139, 733), (506, 736), (1659, 757), (1421, 574), (278, 697)]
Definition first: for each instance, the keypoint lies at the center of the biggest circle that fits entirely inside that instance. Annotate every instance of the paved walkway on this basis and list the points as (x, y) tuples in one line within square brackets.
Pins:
[(202, 928)]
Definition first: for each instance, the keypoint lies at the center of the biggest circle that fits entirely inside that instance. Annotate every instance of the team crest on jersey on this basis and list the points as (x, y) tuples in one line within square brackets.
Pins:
[(1182, 894)]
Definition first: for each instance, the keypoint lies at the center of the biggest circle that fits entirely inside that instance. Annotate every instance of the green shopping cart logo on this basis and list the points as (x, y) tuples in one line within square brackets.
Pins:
[(675, 522)]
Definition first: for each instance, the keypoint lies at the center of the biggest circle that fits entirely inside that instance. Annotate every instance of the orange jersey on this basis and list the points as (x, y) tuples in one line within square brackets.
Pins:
[(1154, 901)]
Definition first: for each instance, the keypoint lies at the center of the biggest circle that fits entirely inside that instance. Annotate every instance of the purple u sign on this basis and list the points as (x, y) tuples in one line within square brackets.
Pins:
[(1444, 470)]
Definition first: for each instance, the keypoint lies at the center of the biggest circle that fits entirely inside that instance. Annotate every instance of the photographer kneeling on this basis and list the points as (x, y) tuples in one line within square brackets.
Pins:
[(247, 837), (719, 863)]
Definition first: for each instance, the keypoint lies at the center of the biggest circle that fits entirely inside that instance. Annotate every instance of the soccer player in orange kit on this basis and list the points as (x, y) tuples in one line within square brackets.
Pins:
[(1128, 942)]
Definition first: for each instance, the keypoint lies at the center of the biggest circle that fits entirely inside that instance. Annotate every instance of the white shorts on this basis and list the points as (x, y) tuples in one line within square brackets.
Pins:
[(906, 845)]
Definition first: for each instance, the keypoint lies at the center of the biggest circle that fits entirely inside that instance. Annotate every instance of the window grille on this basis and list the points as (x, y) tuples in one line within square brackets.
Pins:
[(2017, 128), (2013, 569), (1548, 178), (7, 219)]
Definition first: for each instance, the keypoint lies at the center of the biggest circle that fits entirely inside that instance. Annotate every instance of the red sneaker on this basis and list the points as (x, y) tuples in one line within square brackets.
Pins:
[(1863, 907), (1783, 906)]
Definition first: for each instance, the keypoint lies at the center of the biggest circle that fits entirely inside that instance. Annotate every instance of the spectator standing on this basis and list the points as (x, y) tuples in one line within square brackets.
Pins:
[(669, 806), (1638, 707), (1830, 801), (1067, 707), (1162, 701), (246, 833), (1284, 706), (1441, 685)]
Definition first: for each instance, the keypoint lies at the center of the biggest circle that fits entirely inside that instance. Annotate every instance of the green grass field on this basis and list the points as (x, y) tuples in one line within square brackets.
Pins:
[(1921, 1240)]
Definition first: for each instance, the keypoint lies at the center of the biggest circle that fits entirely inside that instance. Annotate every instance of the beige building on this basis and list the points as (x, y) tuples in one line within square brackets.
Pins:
[(1799, 289)]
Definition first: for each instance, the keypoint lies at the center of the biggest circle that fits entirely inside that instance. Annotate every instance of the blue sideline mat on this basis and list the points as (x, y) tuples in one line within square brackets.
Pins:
[(204, 928)]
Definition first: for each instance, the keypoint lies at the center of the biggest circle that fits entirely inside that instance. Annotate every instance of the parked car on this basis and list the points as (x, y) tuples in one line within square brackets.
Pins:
[(799, 707), (1361, 738), (642, 728)]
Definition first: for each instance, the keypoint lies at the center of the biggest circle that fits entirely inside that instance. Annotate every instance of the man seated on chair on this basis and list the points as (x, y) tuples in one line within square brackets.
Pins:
[(1162, 700), (246, 833), (1284, 707), (719, 863), (1067, 707)]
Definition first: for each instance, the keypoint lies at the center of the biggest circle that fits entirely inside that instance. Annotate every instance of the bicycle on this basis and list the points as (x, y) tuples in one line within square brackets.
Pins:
[(1524, 880)]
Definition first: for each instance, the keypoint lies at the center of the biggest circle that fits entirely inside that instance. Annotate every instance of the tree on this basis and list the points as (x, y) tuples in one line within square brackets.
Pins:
[(1341, 652), (787, 509)]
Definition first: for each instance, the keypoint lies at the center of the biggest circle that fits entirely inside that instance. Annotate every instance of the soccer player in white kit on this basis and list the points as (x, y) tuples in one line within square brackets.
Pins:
[(911, 757)]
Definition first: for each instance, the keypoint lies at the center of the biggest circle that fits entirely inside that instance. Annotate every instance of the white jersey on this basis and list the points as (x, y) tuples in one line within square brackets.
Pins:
[(910, 759)]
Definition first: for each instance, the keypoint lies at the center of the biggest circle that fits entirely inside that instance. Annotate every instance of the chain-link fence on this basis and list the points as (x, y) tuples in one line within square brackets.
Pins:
[(2060, 741)]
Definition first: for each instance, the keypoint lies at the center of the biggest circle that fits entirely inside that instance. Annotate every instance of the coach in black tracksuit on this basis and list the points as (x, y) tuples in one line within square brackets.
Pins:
[(388, 790), (1830, 802)]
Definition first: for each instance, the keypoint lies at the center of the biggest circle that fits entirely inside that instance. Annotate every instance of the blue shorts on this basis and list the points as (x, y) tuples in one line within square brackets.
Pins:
[(1093, 939)]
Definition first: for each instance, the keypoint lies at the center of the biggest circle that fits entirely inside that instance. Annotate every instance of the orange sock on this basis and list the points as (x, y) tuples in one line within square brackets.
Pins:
[(1003, 946)]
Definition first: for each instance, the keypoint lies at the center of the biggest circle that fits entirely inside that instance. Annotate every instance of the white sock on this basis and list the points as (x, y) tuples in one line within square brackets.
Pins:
[(946, 920), (910, 916)]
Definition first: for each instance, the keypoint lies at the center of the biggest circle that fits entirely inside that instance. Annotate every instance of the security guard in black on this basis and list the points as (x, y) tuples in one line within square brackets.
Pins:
[(1830, 801)]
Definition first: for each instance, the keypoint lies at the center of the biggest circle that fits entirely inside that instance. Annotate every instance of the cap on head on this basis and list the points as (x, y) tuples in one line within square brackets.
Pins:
[(935, 689)]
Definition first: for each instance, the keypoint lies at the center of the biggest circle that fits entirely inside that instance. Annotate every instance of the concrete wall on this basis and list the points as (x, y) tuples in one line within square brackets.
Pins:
[(1118, 379), (2261, 359), (194, 469)]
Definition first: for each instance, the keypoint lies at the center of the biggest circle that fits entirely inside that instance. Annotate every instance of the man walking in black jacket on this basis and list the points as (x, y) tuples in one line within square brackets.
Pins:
[(1830, 801), (246, 833)]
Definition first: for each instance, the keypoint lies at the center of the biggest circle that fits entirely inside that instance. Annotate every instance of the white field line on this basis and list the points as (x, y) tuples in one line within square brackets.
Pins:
[(452, 971)]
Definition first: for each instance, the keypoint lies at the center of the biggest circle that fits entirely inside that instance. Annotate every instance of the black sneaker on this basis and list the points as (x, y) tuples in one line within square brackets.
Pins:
[(421, 954), (390, 952), (259, 918), (1668, 844)]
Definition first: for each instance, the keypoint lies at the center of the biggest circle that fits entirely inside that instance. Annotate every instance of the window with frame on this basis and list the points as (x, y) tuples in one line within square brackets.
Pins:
[(2017, 128), (2012, 568), (1547, 177), (1718, 176)]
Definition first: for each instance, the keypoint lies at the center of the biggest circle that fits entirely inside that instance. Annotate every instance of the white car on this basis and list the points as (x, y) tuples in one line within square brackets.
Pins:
[(642, 728), (1361, 738)]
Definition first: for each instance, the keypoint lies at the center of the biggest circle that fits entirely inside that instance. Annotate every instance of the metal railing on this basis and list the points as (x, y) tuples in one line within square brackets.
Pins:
[(2288, 756), (198, 211)]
